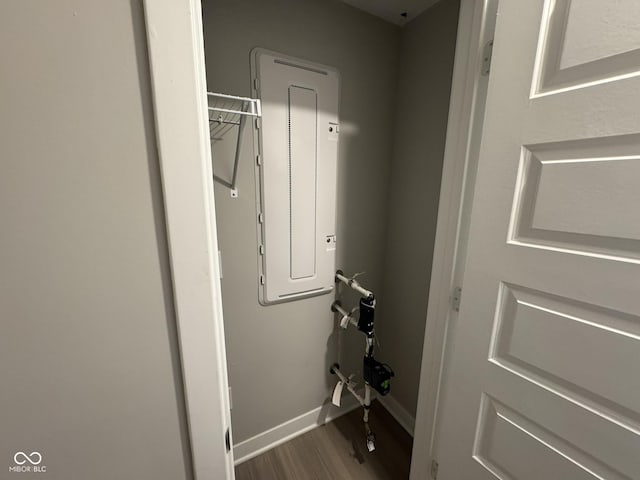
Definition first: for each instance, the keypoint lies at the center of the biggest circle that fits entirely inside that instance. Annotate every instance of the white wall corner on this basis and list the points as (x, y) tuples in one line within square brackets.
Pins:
[(258, 444), (397, 411)]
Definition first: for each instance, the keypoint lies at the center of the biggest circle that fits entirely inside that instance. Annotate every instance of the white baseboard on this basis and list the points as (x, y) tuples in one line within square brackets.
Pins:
[(397, 411), (284, 432)]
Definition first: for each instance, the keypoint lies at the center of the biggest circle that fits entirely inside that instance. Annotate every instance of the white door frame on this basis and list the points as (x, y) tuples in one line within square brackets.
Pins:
[(466, 110), (176, 51), (176, 55)]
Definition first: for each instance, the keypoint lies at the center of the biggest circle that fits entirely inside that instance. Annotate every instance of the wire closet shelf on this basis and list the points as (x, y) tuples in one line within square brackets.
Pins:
[(227, 112)]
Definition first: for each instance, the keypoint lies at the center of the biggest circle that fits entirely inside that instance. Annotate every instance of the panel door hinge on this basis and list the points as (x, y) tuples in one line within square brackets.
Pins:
[(487, 53), (434, 469), (456, 298), (227, 440)]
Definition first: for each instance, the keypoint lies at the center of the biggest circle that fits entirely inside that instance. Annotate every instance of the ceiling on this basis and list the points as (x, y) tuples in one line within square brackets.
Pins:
[(392, 10)]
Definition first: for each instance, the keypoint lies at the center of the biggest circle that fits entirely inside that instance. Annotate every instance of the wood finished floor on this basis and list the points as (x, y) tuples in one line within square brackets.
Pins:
[(336, 451)]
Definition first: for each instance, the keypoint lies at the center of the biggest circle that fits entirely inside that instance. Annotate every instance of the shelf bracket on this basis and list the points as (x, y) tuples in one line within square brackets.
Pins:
[(229, 111)]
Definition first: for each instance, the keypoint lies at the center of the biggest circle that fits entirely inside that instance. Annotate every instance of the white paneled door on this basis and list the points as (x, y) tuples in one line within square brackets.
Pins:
[(542, 374)]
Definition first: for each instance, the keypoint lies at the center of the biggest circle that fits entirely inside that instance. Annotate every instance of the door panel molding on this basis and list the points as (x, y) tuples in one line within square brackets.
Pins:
[(539, 374)]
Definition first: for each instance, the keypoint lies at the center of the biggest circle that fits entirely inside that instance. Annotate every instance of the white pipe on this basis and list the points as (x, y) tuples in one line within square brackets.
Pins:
[(346, 316), (340, 310), (371, 438), (367, 401), (347, 383), (367, 394), (355, 285)]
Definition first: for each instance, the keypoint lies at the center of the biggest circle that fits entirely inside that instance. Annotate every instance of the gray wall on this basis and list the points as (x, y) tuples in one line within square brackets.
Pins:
[(89, 366), (279, 355), (426, 64)]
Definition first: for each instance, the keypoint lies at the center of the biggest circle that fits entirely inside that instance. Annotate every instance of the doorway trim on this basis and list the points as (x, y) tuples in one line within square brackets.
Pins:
[(460, 158), (177, 71)]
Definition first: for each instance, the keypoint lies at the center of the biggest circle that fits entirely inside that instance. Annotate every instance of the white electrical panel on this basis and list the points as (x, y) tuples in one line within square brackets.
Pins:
[(297, 145)]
